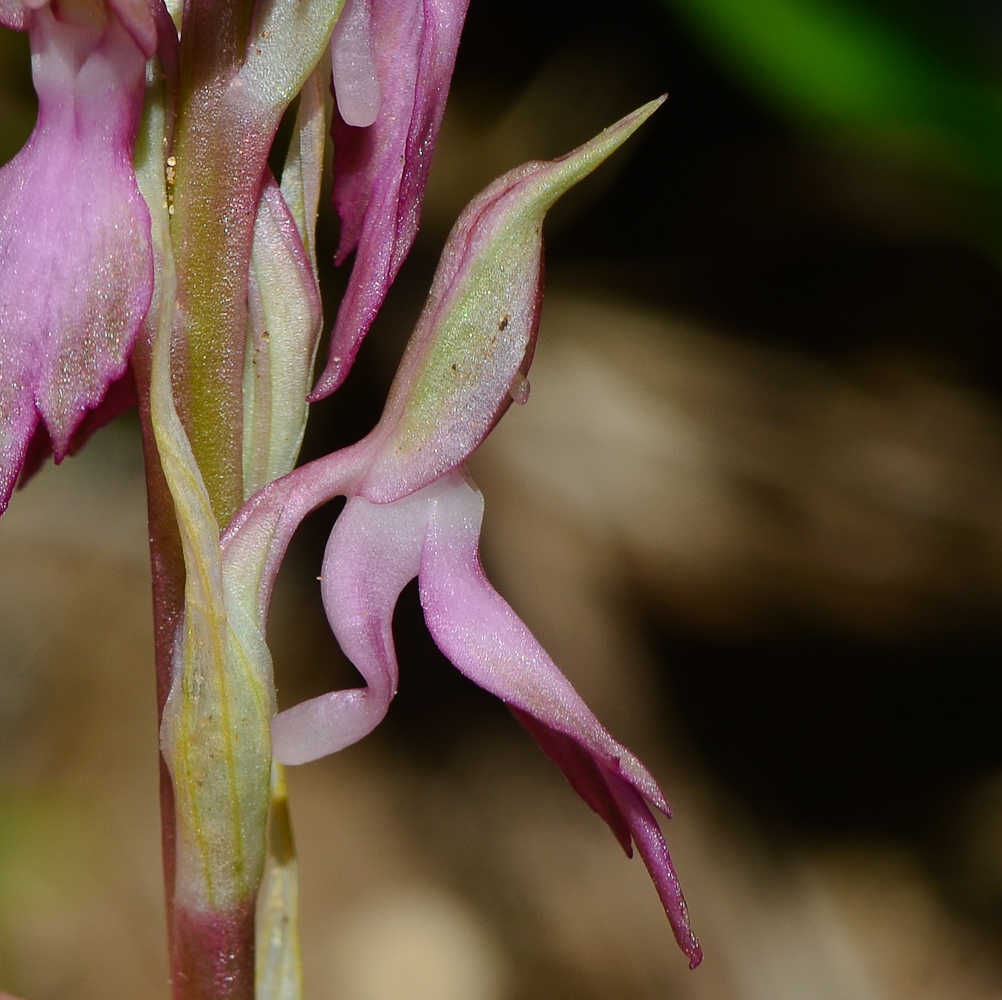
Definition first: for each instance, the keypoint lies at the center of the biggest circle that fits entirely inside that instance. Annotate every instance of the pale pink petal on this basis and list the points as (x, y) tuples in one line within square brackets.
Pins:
[(486, 641), (373, 553), (478, 631), (76, 268), (380, 172), (356, 85)]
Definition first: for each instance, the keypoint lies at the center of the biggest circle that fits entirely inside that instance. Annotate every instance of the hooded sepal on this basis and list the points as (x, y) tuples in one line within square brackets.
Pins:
[(471, 350)]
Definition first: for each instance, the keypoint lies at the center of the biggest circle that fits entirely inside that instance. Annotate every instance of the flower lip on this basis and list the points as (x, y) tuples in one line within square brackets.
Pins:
[(374, 550), (76, 263)]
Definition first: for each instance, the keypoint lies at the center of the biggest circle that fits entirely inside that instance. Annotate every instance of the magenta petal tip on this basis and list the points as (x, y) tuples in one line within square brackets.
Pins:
[(381, 171)]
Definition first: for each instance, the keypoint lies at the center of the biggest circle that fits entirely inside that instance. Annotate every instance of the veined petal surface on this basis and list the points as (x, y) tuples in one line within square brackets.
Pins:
[(76, 268)]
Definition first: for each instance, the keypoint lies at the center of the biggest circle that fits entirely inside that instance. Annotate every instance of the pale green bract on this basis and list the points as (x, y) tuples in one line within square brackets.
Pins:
[(221, 701)]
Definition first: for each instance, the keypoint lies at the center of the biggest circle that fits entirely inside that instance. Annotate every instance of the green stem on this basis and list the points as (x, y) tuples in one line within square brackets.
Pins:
[(220, 154)]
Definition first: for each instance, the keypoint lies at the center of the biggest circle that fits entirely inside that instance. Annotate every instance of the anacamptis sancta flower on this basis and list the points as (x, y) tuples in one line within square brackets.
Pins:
[(412, 511), (76, 265)]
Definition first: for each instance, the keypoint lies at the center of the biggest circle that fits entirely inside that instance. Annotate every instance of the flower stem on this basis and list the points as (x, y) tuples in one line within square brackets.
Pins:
[(213, 955), (167, 567)]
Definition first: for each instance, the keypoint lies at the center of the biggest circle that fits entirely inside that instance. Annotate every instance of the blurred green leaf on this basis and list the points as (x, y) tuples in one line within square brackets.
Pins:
[(844, 67)]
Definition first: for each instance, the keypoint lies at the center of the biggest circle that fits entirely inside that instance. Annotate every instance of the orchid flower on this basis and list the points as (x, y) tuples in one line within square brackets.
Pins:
[(392, 62), (413, 511), (76, 264), (185, 247)]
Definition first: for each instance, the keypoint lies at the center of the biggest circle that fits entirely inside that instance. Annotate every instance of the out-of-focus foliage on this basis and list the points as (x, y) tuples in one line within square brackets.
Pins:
[(919, 80)]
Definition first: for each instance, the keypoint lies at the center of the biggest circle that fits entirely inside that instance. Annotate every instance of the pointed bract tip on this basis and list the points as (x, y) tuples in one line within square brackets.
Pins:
[(471, 350), (592, 153)]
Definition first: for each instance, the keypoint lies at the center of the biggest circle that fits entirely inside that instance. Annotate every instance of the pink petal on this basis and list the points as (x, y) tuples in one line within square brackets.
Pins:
[(373, 553), (478, 631), (486, 641), (626, 812), (380, 172), (76, 268)]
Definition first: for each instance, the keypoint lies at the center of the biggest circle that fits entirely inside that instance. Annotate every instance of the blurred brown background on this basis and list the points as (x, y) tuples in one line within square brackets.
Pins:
[(753, 508)]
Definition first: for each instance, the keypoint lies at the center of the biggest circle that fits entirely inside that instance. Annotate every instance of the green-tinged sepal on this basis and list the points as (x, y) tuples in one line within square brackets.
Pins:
[(304, 164), (286, 41), (471, 349)]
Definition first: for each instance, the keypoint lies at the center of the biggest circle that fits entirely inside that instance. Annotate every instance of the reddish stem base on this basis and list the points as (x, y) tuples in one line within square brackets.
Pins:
[(213, 954)]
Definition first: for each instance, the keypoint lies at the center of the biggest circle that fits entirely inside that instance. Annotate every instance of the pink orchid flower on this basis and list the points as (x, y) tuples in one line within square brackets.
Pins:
[(76, 263), (392, 62), (413, 511)]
